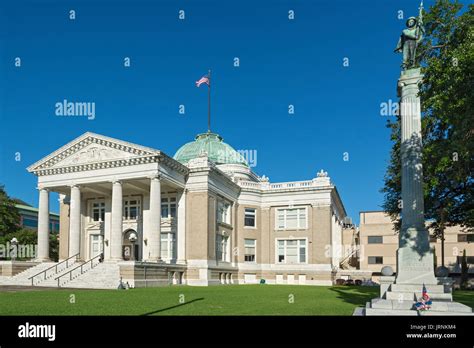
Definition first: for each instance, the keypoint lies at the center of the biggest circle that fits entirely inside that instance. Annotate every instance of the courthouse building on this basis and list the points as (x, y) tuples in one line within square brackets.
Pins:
[(200, 217)]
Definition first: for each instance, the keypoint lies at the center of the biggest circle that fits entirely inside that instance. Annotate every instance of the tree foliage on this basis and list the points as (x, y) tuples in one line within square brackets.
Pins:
[(9, 215)]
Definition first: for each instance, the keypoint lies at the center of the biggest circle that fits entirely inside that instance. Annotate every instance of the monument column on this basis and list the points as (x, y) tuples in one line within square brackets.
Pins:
[(414, 256), (181, 226), (154, 235), (406, 293), (43, 225), (116, 239), (75, 221)]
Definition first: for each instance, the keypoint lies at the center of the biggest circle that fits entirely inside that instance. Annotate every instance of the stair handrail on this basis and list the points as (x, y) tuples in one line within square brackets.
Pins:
[(91, 261), (348, 256), (54, 266)]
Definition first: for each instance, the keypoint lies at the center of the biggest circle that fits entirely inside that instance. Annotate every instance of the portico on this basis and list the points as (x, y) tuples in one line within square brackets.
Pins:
[(104, 202)]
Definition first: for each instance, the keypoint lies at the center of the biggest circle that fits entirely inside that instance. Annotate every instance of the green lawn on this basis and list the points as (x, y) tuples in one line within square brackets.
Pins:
[(214, 300)]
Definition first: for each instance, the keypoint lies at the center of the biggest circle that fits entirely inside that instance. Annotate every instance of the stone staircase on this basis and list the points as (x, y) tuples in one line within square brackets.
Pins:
[(345, 263), (399, 299), (105, 275), (51, 280), (22, 278), (70, 273), (407, 292)]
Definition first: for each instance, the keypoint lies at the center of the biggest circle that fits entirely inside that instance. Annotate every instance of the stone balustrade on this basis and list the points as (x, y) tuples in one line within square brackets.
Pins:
[(266, 186)]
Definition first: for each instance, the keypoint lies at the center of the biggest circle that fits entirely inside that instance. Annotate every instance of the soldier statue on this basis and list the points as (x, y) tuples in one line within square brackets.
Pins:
[(410, 39)]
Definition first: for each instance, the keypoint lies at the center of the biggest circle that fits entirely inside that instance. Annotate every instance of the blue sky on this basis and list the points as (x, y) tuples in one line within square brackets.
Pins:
[(282, 62)]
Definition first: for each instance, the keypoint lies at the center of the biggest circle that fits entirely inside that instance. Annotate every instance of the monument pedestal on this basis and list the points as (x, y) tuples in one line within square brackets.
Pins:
[(400, 299), (414, 267)]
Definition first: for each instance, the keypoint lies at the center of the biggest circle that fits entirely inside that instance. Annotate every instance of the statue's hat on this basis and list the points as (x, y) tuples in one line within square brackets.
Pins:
[(410, 18)]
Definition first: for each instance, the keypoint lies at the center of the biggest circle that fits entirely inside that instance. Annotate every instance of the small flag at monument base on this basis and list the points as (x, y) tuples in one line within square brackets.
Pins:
[(424, 303)]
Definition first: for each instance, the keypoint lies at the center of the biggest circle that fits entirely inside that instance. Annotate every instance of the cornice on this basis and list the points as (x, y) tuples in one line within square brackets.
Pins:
[(97, 165)]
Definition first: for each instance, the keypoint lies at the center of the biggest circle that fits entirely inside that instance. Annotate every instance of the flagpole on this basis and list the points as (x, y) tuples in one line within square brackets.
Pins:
[(209, 103)]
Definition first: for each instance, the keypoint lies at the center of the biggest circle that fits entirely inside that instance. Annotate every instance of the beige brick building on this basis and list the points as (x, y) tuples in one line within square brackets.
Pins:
[(200, 217), (379, 243)]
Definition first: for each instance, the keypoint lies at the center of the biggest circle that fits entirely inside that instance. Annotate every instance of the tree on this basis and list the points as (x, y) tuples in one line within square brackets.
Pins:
[(464, 271), (9, 215), (447, 102)]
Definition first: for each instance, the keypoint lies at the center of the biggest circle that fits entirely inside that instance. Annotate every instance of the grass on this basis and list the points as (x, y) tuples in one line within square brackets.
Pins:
[(214, 300), (464, 296)]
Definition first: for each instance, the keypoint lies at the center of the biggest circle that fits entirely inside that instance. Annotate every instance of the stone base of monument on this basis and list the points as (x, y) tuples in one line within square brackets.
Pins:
[(399, 300)]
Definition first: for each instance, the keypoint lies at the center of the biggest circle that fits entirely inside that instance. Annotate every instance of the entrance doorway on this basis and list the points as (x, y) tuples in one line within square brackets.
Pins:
[(96, 245), (131, 250)]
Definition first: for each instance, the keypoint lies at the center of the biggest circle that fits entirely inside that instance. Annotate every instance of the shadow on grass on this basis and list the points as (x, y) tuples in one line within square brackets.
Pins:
[(357, 295), (464, 296), (172, 307)]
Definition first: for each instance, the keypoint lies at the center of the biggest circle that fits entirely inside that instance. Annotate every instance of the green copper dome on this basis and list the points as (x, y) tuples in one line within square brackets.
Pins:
[(211, 143)]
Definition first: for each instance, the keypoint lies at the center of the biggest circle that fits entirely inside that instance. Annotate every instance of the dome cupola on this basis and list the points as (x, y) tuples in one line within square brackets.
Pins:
[(212, 144)]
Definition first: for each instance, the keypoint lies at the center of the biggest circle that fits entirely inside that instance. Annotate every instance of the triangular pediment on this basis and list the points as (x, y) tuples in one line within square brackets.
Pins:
[(92, 148), (92, 153)]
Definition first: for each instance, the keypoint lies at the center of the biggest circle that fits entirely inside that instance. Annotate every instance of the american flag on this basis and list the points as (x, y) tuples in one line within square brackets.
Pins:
[(202, 80), (424, 303), (424, 292)]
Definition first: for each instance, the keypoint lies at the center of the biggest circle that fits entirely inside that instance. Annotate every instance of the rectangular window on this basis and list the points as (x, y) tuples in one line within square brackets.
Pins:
[(281, 251), (250, 215), (168, 207), (291, 251), (222, 244), (98, 211), (223, 212), (466, 238), (302, 255), (53, 226), (168, 246), (250, 250), (30, 222), (375, 260), (291, 219), (469, 260), (375, 240), (173, 207), (131, 209)]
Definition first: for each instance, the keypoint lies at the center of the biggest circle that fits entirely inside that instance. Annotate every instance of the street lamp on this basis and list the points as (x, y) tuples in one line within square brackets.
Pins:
[(133, 238), (14, 243)]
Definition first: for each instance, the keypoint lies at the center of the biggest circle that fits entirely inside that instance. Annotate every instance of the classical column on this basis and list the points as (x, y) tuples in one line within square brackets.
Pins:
[(75, 221), (181, 258), (43, 225), (116, 239), (64, 201), (154, 234), (414, 256)]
